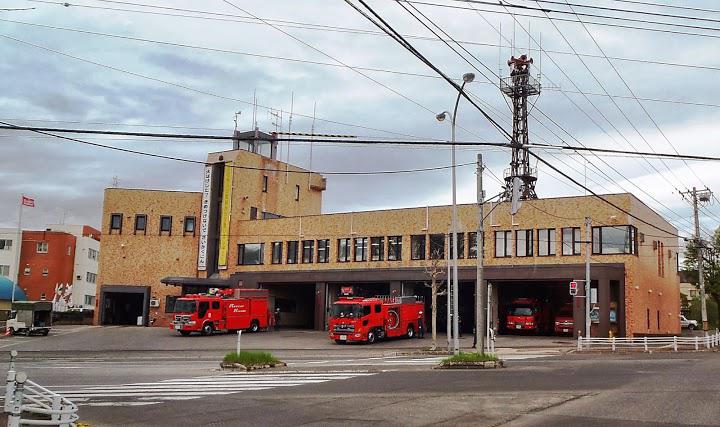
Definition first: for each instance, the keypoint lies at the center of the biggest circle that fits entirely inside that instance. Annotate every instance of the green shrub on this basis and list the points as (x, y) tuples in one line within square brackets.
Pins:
[(469, 358), (251, 358)]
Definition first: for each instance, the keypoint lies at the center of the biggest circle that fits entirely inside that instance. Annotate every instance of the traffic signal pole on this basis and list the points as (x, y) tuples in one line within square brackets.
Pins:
[(588, 249)]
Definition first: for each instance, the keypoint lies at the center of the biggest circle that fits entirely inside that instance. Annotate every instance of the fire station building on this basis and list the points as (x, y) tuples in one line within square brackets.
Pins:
[(257, 223)]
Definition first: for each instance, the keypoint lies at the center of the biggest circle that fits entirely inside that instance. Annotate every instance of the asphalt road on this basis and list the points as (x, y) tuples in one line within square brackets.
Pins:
[(642, 390), (144, 376)]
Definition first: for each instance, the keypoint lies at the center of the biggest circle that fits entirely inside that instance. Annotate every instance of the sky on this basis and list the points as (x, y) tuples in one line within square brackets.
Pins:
[(189, 67)]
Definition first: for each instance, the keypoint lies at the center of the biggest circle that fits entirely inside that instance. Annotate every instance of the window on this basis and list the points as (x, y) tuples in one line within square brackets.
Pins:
[(503, 244), (394, 248), (297, 193), (377, 248), (27, 270), (140, 223), (265, 184), (89, 299), (42, 296), (648, 318), (615, 240), (189, 225), (215, 305), (361, 248), (277, 252), (69, 250), (203, 307), (166, 224), (45, 272), (250, 253), (658, 319), (523, 243), (461, 246), (323, 250), (472, 246), (92, 254), (116, 220), (292, 252), (378, 308), (4, 270), (437, 246), (5, 244), (571, 241), (308, 251), (90, 277), (253, 212), (42, 247), (344, 250), (170, 303), (547, 242), (417, 246)]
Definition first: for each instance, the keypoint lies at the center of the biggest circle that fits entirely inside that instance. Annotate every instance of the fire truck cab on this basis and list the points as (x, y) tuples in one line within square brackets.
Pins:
[(527, 315), (357, 319), (226, 310)]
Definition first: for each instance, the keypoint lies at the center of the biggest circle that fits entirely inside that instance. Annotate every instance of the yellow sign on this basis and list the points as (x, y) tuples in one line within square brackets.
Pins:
[(225, 216)]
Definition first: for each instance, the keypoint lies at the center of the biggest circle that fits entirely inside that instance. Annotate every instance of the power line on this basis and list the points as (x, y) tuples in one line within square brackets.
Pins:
[(391, 71), (604, 199), (669, 6), (199, 162), (191, 89), (564, 12), (629, 11)]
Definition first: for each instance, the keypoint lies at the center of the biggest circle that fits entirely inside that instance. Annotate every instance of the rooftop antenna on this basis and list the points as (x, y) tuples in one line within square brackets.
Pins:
[(115, 182), (255, 126), (500, 51), (236, 118), (540, 50), (287, 155), (312, 138)]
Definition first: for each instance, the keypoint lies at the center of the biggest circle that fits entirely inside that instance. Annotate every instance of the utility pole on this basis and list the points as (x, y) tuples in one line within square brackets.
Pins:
[(480, 288), (588, 248), (702, 196)]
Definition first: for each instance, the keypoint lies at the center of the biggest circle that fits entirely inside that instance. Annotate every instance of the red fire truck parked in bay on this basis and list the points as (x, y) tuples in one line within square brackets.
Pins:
[(527, 315), (227, 310), (357, 319)]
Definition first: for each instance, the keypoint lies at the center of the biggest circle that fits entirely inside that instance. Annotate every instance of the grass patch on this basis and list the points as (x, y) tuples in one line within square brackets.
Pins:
[(251, 358), (469, 358)]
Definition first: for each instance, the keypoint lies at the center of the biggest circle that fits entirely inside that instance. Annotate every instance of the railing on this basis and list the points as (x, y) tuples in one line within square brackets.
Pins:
[(673, 343), (24, 396)]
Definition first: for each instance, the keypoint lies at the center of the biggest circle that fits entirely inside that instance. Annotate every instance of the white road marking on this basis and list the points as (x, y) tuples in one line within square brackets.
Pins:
[(149, 393)]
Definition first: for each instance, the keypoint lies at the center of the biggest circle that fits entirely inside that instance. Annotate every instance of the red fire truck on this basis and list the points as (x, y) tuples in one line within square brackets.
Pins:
[(357, 319), (226, 310), (528, 315)]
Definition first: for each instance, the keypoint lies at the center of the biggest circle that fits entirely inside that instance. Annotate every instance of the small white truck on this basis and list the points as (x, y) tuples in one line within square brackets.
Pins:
[(30, 317), (688, 324)]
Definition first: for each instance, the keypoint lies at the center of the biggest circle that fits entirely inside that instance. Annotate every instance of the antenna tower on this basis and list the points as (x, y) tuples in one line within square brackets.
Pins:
[(519, 86)]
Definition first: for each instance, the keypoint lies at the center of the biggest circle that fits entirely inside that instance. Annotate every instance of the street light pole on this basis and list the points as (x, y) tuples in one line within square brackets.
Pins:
[(467, 78), (480, 288)]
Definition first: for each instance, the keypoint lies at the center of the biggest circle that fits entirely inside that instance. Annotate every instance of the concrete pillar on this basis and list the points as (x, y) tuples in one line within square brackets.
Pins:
[(321, 306)]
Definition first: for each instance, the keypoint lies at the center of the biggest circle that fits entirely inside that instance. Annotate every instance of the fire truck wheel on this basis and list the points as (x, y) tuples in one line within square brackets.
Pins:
[(185, 333), (254, 326), (371, 337), (410, 331), (207, 329)]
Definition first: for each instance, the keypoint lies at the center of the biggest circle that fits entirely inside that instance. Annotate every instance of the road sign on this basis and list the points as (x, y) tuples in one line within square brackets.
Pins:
[(573, 288)]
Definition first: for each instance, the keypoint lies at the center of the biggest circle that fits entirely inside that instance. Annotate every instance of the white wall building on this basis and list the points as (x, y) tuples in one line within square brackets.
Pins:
[(87, 254), (9, 253)]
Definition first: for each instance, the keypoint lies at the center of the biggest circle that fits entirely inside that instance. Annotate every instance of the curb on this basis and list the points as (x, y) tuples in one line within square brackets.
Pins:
[(491, 364), (241, 367)]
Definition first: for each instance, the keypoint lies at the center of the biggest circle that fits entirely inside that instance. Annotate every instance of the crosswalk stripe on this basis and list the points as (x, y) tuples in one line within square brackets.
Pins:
[(147, 393)]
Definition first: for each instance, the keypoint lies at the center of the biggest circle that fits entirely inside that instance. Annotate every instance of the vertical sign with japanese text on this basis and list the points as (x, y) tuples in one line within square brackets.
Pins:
[(205, 219)]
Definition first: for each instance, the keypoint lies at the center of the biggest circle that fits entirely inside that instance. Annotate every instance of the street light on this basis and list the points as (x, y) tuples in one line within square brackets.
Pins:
[(467, 78)]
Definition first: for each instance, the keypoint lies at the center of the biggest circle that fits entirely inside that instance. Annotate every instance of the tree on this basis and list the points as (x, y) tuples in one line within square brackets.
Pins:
[(711, 266), (435, 271)]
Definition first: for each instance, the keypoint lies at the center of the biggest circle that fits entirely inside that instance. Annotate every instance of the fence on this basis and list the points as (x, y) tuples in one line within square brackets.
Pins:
[(44, 407), (673, 343)]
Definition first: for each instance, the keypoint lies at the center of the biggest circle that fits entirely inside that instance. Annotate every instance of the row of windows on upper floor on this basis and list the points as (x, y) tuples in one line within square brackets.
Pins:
[(605, 241), (5, 272), (43, 248), (141, 224)]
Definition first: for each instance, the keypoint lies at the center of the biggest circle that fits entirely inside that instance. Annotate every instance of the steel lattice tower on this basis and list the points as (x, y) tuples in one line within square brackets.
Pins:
[(518, 87)]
